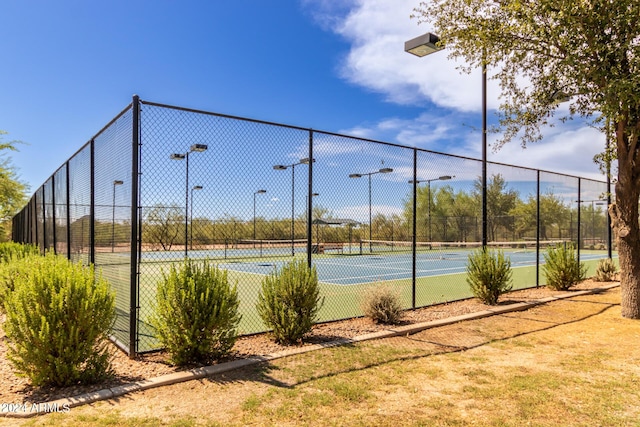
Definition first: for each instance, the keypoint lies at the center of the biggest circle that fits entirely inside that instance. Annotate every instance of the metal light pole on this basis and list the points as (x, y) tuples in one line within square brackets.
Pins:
[(360, 175), (428, 181), (113, 215), (427, 44), (195, 148), (195, 187), (304, 161), (254, 213)]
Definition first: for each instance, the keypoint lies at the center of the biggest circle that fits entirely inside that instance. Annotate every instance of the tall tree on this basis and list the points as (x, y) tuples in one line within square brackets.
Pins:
[(500, 203), (553, 215), (162, 225), (12, 190), (542, 49)]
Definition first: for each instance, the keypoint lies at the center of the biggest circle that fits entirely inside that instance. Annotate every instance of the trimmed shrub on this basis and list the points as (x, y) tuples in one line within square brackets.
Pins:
[(11, 250), (289, 301), (9, 268), (489, 274), (382, 305), (58, 321), (196, 314), (606, 270), (562, 268)]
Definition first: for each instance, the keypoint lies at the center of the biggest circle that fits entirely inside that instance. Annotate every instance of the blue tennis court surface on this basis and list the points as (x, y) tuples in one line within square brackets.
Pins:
[(351, 270)]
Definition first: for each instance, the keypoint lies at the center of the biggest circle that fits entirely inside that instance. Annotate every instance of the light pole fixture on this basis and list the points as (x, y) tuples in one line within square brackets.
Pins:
[(428, 181), (254, 213), (304, 161), (113, 214), (423, 45), (360, 175), (427, 44), (195, 148), (196, 188)]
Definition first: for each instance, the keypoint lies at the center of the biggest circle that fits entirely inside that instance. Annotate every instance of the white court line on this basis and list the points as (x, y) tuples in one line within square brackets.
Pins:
[(349, 278)]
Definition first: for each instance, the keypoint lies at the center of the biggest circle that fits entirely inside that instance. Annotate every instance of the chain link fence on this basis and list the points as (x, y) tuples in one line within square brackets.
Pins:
[(161, 183)]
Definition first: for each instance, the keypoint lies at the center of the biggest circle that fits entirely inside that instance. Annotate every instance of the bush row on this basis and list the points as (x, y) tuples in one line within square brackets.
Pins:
[(59, 314), (489, 272)]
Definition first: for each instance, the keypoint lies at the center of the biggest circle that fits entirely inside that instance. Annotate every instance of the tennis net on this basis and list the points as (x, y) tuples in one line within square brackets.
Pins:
[(451, 248)]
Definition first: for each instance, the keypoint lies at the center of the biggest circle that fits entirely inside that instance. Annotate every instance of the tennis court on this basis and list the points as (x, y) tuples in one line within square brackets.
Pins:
[(388, 265)]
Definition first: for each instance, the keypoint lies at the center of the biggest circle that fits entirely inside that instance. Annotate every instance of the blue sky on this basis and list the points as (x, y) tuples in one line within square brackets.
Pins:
[(68, 67)]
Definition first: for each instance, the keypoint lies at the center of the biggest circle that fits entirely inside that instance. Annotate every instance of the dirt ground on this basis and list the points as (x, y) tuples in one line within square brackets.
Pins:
[(184, 397)]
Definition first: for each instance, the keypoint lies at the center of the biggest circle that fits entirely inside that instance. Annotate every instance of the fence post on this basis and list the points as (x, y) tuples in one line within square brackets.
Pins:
[(579, 219), (310, 199), (92, 204), (413, 233), (68, 209), (538, 229), (43, 206), (609, 231), (133, 279), (53, 213)]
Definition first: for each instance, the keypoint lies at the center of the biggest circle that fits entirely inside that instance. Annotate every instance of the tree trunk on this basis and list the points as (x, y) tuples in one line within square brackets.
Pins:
[(624, 216)]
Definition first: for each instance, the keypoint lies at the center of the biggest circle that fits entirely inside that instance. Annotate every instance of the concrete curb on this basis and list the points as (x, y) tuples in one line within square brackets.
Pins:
[(65, 404)]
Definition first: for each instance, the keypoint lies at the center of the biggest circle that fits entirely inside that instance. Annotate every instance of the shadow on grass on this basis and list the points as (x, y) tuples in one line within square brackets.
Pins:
[(355, 357)]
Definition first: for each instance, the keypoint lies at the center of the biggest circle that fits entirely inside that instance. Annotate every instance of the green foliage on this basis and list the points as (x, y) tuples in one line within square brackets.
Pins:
[(489, 274), (196, 314), (562, 267), (500, 202), (606, 270), (163, 225), (10, 252), (58, 321), (382, 305), (289, 301), (12, 190), (539, 63)]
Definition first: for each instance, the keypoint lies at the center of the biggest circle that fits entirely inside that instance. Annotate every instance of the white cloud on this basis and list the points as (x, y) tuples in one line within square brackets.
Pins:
[(424, 131), (376, 31), (564, 149)]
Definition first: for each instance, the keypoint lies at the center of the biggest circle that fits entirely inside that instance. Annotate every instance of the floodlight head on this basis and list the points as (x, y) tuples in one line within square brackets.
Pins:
[(445, 177), (315, 194), (261, 191), (118, 182), (385, 170), (280, 167), (423, 45), (177, 156), (355, 175), (199, 147), (306, 161), (197, 187)]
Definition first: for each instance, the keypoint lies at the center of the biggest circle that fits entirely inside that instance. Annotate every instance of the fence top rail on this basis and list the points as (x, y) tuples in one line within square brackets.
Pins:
[(391, 144)]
